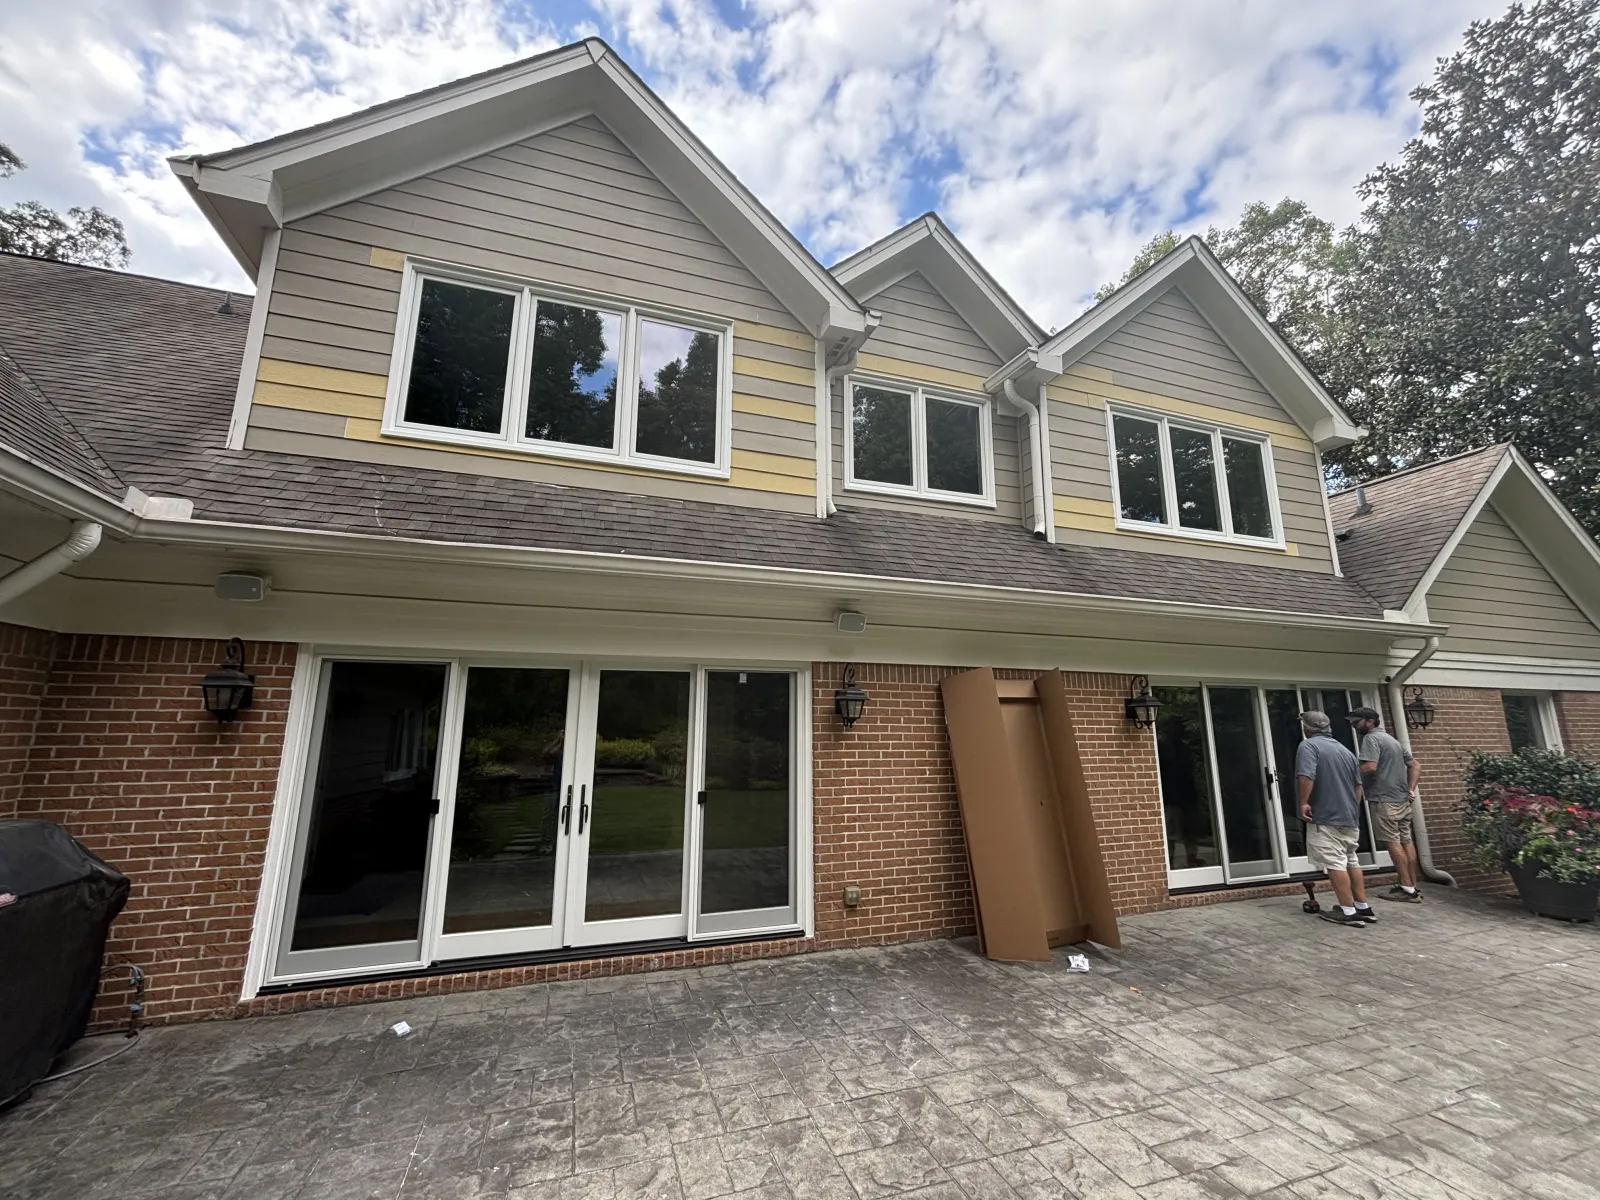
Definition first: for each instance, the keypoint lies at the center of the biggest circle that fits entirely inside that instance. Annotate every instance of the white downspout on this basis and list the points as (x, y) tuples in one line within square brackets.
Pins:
[(1035, 455), (825, 409), (75, 547), (1397, 716)]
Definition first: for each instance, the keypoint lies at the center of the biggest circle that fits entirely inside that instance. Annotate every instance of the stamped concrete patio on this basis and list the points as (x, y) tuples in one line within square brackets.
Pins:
[(1238, 1049)]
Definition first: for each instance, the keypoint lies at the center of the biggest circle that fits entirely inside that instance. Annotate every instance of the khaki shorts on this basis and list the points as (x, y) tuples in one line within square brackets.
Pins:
[(1333, 847), (1392, 819)]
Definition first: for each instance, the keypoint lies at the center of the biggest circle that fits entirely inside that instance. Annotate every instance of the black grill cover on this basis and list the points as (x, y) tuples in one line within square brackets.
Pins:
[(57, 902)]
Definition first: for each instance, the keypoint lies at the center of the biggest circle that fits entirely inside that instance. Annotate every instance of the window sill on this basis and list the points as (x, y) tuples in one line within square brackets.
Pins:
[(639, 464), (1200, 537), (900, 493)]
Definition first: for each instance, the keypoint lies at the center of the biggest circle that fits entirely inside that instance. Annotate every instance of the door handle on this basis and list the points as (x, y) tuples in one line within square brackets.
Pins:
[(433, 807), (565, 819), (583, 806), (700, 798)]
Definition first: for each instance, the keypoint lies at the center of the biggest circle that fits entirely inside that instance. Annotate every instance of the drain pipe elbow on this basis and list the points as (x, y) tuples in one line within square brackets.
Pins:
[(1035, 453), (75, 547), (1397, 715)]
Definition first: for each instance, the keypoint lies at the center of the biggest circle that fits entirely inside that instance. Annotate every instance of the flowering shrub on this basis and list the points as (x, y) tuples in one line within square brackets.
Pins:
[(1511, 826)]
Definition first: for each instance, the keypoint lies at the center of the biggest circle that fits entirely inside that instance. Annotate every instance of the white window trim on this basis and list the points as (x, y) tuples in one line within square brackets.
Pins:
[(1164, 422), (919, 488), (513, 412), (1545, 709)]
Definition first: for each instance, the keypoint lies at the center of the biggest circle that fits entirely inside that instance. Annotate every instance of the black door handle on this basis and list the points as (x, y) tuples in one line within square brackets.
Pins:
[(433, 807), (701, 797), (565, 819), (583, 806)]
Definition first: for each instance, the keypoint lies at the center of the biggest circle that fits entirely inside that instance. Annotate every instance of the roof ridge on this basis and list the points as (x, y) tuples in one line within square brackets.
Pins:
[(1412, 470), (65, 424)]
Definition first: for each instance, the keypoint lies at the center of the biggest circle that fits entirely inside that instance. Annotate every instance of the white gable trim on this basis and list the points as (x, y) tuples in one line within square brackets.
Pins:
[(926, 247), (248, 191), (1195, 271), (1419, 594)]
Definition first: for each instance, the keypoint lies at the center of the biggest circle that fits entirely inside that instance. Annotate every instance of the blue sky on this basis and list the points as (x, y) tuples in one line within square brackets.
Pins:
[(1055, 136)]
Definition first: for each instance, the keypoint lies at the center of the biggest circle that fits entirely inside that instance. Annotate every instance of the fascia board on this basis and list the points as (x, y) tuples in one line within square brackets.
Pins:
[(47, 488), (1030, 368), (1419, 594), (1094, 325), (866, 268), (1025, 327)]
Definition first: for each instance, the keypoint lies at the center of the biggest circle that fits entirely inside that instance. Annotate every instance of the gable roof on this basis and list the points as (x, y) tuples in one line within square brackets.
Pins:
[(1419, 516), (247, 191), (146, 369), (1195, 271), (38, 430), (926, 246)]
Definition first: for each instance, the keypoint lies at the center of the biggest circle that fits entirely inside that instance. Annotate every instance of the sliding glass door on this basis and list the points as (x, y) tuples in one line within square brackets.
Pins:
[(455, 810), (1225, 756)]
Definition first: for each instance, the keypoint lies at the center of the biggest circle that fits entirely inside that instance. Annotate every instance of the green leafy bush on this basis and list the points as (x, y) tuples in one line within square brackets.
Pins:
[(1537, 808), (623, 752)]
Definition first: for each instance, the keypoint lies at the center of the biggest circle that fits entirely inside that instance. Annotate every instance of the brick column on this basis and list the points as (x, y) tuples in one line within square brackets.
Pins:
[(24, 667), (126, 758)]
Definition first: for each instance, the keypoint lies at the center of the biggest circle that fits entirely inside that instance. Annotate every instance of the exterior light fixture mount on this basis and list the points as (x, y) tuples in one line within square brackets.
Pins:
[(849, 700), (1141, 706), (228, 689), (1419, 710)]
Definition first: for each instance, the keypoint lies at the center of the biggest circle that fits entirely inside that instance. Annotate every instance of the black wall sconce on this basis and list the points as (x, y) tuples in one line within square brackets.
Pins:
[(1141, 705), (1419, 710), (849, 700), (228, 689)]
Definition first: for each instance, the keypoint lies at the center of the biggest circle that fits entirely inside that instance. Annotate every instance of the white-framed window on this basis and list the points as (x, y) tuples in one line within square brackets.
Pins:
[(1531, 720), (906, 439), (1189, 478), (482, 359)]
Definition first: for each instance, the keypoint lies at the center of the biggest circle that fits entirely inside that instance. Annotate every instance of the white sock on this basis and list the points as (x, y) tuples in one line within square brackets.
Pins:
[(1360, 904), (1349, 912), (1410, 891)]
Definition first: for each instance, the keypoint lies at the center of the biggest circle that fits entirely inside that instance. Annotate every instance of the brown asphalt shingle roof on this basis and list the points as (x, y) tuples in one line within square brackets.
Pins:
[(146, 369), (1414, 512)]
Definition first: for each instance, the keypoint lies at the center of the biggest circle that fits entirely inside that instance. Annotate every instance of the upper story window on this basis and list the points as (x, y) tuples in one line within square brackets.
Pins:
[(1174, 475), (906, 440), (490, 361)]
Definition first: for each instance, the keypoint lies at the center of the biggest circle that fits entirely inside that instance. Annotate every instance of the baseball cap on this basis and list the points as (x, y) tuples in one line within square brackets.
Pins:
[(1316, 721), (1365, 714)]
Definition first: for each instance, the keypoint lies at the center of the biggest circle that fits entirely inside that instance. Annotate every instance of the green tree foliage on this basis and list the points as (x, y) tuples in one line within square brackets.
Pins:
[(1152, 252), (90, 236), (1463, 308)]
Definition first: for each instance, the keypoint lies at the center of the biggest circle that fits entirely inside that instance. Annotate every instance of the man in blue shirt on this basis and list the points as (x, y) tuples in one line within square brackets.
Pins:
[(1329, 781)]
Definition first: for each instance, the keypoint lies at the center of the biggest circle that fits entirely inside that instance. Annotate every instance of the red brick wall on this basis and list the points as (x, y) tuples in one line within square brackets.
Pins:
[(1468, 719), (1579, 716), (24, 666), (129, 762), (887, 817)]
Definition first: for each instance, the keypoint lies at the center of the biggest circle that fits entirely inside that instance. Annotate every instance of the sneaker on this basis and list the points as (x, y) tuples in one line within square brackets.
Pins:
[(1364, 911), (1399, 893), (1337, 916)]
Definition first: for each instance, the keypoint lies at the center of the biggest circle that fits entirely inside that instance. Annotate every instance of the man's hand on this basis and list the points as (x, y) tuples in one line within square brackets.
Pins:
[(1305, 811)]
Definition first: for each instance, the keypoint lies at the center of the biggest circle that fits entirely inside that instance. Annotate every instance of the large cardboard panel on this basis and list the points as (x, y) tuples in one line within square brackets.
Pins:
[(1004, 874), (1058, 899)]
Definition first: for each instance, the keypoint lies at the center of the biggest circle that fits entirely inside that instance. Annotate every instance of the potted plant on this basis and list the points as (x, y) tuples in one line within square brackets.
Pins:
[(1536, 815)]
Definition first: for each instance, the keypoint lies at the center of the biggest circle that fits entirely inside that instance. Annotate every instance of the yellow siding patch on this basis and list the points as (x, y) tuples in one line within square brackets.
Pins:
[(325, 379), (760, 481), (389, 260), (339, 404), (773, 336), (1081, 504), (782, 372), (775, 464), (918, 373), (782, 409)]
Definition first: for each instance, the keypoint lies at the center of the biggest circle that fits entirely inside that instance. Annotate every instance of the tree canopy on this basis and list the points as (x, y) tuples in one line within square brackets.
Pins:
[(1463, 307), (90, 236)]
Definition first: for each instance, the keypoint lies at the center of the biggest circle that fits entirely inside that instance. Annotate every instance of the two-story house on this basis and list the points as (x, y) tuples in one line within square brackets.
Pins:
[(554, 489)]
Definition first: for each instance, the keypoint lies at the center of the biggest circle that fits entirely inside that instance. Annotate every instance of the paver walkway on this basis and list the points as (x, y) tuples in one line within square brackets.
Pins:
[(1451, 1051)]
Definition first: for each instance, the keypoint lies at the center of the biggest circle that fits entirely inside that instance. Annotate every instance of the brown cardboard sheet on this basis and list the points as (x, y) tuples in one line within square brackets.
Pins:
[(1037, 872)]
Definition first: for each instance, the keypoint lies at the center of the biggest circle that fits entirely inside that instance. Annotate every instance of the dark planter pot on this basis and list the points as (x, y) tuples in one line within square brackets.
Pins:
[(1552, 898)]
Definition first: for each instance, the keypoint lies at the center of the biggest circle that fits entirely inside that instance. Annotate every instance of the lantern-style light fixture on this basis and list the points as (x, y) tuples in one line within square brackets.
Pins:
[(1141, 705), (228, 689), (1420, 711), (849, 700)]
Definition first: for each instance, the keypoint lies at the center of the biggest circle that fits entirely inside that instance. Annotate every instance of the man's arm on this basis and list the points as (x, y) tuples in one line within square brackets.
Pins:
[(1305, 784), (1413, 773), (1369, 768)]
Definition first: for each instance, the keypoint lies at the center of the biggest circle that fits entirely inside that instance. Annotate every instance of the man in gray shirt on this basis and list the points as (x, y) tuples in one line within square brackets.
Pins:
[(1329, 782), (1389, 774)]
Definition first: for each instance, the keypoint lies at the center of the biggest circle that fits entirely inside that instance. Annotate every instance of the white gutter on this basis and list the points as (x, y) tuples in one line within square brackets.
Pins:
[(75, 547), (1035, 455), (1397, 715)]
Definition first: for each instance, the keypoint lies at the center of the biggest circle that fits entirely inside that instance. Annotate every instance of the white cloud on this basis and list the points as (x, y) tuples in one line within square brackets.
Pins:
[(1055, 135)]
